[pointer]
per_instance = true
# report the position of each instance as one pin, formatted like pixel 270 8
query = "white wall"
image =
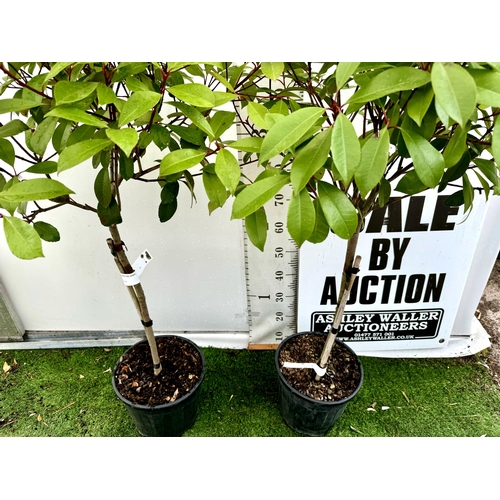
pixel 194 283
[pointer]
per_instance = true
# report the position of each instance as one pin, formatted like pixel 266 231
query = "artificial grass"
pixel 68 392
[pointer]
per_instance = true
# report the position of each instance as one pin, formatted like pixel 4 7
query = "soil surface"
pixel 181 369
pixel 489 317
pixel 342 373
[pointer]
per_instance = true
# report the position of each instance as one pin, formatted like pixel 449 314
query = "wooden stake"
pixel 332 335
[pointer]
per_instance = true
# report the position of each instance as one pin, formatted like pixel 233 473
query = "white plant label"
pixel 319 371
pixel 140 263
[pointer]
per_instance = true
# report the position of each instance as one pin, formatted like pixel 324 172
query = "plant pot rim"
pixel 165 405
pixel 300 394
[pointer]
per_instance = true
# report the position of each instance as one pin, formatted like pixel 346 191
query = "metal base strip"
pixel 79 339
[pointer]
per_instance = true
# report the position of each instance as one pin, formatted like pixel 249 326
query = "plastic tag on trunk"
pixel 140 263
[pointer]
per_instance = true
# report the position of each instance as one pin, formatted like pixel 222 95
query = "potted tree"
pixel 56 116
pixel 346 136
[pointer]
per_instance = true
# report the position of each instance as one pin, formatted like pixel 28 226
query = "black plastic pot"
pixel 170 419
pixel 304 414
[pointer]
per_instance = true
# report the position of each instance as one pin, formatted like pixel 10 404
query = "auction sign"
pixel 416 254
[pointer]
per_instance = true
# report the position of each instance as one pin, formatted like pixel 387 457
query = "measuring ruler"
pixel 271 275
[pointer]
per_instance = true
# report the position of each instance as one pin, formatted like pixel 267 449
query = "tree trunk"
pixel 349 272
pixel 136 292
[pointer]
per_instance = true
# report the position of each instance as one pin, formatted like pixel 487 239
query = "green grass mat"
pixel 68 392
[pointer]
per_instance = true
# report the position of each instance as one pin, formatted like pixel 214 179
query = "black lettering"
pixel 415 288
pixel 399 251
pixel 354 293
pixel 393 219
pixel 378 256
pixel 441 214
pixel 387 287
pixel 414 216
pixel 399 289
pixel 329 291
pixel 434 288
pixel 364 297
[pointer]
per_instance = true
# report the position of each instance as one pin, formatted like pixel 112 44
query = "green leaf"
pixel 126 69
pixel 169 192
pixel 126 166
pixel 227 169
pixel 77 153
pixel 69 92
pixel 455 148
pixel 16 105
pixel 256 228
pixel 79 134
pixel 76 115
pixel 105 95
pixel 429 163
pixel 321 228
pixel 495 140
pixel 56 69
pixel 488 169
pixel 180 160
pixel 47 231
pixel 384 192
pixel 484 184
pixel 22 239
pixel 254 196
pixel 390 81
pixel 247 144
pixel 280 107
pixel 344 71
pixel 272 119
pixel 12 128
pixel 125 138
pixel 455 90
pixel 7 152
pixel 102 187
pixel 161 136
pixel 136 105
pixel 195 94
pixel 373 162
pixel 301 217
pixel 288 131
pixel 196 117
pixel 135 85
pixel 419 103
pixel 221 121
pixel 339 212
pixel 61 135
pixel 488 87
pixel 43 134
pixel 456 199
pixel 214 188
pixel 222 80
pixel 257 113
pixel 44 167
pixel 109 215
pixel 346 151
pixel 189 134
pixel 223 97
pixel 34 189
pixel 310 159
pixel 272 70
pixel 11 207
pixel 167 210
pixel 468 193
pixel 410 184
